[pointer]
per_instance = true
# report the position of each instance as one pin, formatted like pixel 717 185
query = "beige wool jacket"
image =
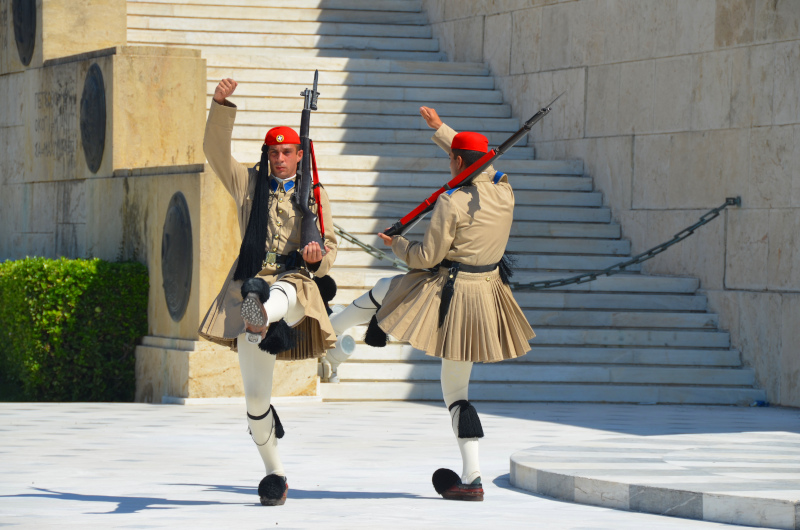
pixel 223 322
pixel 470 226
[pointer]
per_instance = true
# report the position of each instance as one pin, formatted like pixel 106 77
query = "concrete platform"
pixel 350 465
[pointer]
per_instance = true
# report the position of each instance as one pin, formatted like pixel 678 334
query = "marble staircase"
pixel 630 338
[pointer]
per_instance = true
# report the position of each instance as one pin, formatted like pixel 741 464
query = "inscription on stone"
pixel 24 13
pixel 93 118
pixel 176 256
pixel 54 125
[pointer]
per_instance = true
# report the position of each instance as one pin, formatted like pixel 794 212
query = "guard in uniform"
pixel 455 302
pixel 270 306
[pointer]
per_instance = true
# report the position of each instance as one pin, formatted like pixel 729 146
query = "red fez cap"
pixel 471 141
pixel 281 135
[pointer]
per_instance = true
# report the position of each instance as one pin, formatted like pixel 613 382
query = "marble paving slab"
pixel 740 474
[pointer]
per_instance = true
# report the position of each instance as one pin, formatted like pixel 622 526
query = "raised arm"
pixel 217 142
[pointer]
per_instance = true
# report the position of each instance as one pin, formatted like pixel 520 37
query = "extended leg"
pixel 257 368
pixel 359 312
pixel 467 428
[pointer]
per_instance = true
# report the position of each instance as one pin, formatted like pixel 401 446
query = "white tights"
pixel 257 367
pixel 455 387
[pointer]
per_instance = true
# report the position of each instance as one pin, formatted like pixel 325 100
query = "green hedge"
pixel 70 327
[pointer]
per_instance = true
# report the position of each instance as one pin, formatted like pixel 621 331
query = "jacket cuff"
pixel 222 115
pixel 400 247
pixel 443 137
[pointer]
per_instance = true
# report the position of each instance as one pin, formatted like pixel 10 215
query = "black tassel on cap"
pixel 252 251
pixel 469 424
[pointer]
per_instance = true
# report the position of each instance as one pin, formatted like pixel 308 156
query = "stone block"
pixel 556 485
pixel 664 501
pixel 630 27
pixel 725 304
pixel 672 100
pixel 772 167
pixel 602 100
pixel 497 43
pixel 525 41
pixel 784 249
pixel 711 105
pixel 760 321
pixel 555 37
pixel 790 350
pixel 597 492
pixel 12 91
pixel 70 202
pixel 735 21
pixel 685 27
pixel 70 240
pixel 787 83
pixel 214 372
pixel 468 40
pixel 62 28
pixel 761 83
pixel 747 249
pixel 796 172
pixel 777 20
pixel 295 378
pixel 636 94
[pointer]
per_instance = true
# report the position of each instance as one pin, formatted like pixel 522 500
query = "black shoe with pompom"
pixel 272 490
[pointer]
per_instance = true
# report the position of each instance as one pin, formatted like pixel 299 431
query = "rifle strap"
pixel 315 187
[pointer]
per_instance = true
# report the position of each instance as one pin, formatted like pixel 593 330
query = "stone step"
pixel 286 43
pixel 413 6
pixel 434 164
pixel 521 212
pixel 342 64
pixel 264 53
pixel 519 228
pixel 274 27
pixel 391 93
pixel 520 182
pixel 602 318
pixel 544 245
pixel 555 262
pixel 349 79
pixel 496 129
pixel 249 151
pixel 381 133
pixel 546 392
pixel 261 12
pixel 550 373
pixel 247 104
pixel 572 301
pixel 360 277
pixel 682 338
pixel 386 194
pixel 400 352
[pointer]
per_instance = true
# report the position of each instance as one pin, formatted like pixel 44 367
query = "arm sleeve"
pixel 443 137
pixel 324 266
pixel 217 148
pixel 437 240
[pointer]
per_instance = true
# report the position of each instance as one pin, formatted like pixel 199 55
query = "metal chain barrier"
pixel 580 278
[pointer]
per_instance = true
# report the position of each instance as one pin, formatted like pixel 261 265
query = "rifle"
pixel 308 179
pixel 465 177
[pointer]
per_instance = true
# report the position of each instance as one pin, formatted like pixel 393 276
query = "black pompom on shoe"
pixel 444 479
pixel 375 336
pixel 280 337
pixel 258 286
pixel 449 485
pixel 272 490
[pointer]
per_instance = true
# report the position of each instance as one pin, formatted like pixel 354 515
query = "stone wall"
pixel 673 105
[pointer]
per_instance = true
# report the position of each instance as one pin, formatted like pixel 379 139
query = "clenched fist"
pixel 224 89
pixel 431 117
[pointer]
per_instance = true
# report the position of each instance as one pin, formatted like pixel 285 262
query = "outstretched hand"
pixel 431 117
pixel 224 89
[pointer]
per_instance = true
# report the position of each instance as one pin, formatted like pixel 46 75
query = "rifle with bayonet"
pixel 465 177
pixel 308 179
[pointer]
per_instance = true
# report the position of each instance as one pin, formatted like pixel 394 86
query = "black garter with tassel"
pixel 375 336
pixel 469 424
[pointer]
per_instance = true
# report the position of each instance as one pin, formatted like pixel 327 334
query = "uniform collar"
pixel 284 185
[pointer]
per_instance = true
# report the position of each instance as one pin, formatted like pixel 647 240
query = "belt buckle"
pixel 270 259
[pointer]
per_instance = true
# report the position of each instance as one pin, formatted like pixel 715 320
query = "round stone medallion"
pixel 24 15
pixel 176 256
pixel 93 118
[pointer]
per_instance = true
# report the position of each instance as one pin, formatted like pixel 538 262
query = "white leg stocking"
pixel 282 304
pixel 357 313
pixel 257 367
pixel 455 387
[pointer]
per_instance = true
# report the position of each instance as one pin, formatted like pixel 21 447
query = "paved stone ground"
pixel 350 465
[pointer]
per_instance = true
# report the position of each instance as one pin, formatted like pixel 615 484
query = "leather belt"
pixel 290 261
pixel 467 268
pixel 449 285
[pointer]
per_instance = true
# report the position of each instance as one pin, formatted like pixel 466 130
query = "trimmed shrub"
pixel 69 327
